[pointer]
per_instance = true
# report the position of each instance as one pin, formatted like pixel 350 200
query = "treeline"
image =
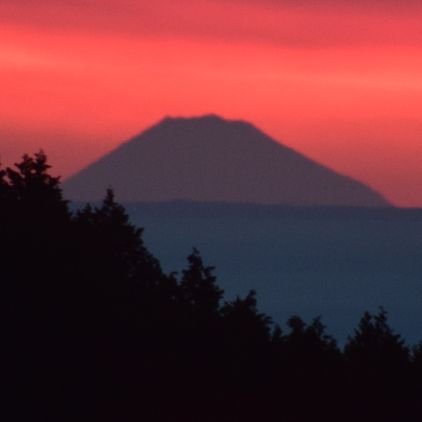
pixel 94 329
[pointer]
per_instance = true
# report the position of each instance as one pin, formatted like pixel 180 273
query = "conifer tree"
pixel 199 289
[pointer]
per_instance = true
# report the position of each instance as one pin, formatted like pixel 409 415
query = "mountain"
pixel 210 159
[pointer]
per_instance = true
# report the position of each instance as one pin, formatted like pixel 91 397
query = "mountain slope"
pixel 212 159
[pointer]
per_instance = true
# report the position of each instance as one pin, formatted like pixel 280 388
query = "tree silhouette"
pixel 198 288
pixel 35 191
pixel 95 328
pixel 378 362
pixel 4 187
pixel 245 324
pixel 375 346
pixel 112 236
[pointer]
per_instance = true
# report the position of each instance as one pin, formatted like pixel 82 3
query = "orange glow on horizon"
pixel 338 84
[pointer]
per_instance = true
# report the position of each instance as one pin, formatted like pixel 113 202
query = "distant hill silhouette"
pixel 211 159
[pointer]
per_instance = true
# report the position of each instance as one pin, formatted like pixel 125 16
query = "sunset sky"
pixel 338 80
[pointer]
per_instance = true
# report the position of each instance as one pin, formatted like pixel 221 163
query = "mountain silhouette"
pixel 210 159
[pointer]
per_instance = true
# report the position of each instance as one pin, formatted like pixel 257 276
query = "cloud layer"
pixel 287 23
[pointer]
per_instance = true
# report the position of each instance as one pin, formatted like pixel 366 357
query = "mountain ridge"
pixel 211 159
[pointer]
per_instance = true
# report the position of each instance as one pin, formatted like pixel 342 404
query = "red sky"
pixel 341 83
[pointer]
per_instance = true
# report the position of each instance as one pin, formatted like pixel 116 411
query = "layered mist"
pixel 329 262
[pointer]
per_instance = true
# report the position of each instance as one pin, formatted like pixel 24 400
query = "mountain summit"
pixel 208 159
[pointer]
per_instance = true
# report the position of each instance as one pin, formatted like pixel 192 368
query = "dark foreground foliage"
pixel 93 329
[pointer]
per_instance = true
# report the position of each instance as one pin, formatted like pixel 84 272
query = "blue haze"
pixel 329 262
